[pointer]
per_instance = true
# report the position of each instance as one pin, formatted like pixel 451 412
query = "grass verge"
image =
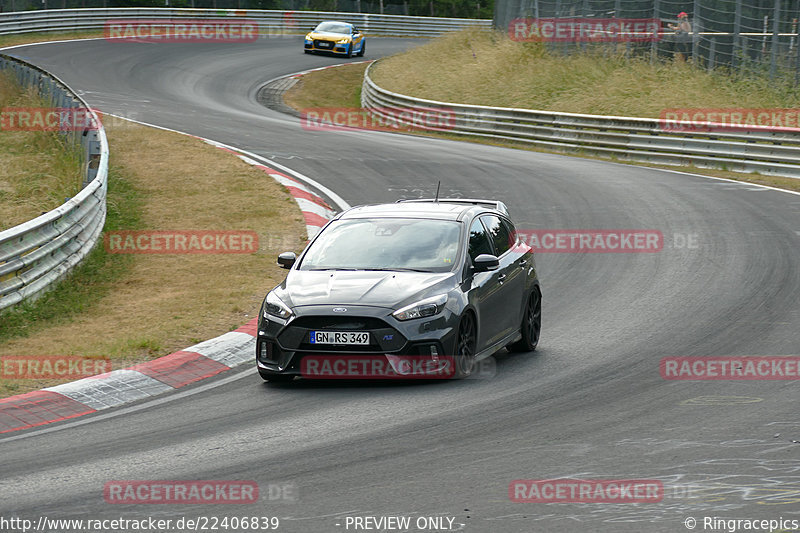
pixel 486 68
pixel 332 87
pixel 38 169
pixel 133 308
pixel 341 87
pixel 27 38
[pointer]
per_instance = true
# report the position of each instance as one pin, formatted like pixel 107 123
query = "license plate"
pixel 339 337
pixel 324 45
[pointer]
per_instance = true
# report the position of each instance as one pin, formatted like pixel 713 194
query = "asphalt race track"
pixel 589 403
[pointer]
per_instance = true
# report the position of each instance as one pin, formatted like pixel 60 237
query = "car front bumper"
pixel 333 49
pixel 285 348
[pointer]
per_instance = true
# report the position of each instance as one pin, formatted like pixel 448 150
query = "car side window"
pixel 498 233
pixel 512 232
pixel 478 240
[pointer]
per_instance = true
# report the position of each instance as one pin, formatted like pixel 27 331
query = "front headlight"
pixel 421 309
pixel 274 306
pixel 343 41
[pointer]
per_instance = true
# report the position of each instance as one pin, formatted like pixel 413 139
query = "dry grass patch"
pixel 27 38
pixel 163 303
pixel 332 87
pixel 38 169
pixel 490 69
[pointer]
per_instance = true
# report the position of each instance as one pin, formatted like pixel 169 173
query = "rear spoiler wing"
pixel 492 204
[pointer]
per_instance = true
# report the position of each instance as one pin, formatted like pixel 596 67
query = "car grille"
pixel 327 45
pixel 383 337
pixel 339 322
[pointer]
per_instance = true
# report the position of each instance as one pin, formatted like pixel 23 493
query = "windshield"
pixel 333 27
pixel 385 244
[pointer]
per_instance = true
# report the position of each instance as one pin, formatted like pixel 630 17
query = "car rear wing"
pixel 492 204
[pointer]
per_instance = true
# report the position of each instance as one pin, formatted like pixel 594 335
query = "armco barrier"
pixel 269 21
pixel 634 139
pixel 38 252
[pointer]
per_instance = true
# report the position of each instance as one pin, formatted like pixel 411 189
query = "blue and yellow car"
pixel 336 38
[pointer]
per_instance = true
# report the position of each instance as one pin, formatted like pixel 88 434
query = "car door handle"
pixel 501 278
pixel 523 262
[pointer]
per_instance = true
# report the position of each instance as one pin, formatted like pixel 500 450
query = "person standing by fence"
pixel 683 36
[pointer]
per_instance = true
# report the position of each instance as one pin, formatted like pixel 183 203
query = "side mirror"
pixel 287 259
pixel 486 263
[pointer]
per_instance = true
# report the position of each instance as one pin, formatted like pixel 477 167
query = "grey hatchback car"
pixel 443 280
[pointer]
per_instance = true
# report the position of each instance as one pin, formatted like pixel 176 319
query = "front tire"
pixel 531 324
pixel 466 343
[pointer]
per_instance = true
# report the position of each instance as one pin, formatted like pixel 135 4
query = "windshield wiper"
pixel 378 269
pixel 398 269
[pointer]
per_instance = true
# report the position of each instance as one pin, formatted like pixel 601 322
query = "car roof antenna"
pixel 437 191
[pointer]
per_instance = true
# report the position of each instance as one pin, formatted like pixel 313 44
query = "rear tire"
pixel 466 343
pixel 363 49
pixel 531 327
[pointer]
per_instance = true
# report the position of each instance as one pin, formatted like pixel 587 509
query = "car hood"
pixel 361 287
pixel 328 36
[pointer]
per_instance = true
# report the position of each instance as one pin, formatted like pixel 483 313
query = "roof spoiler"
pixel 492 204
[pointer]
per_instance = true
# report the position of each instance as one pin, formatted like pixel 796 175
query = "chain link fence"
pixel 757 35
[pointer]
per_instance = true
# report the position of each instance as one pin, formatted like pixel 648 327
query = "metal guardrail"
pixel 38 252
pixel 635 139
pixel 269 21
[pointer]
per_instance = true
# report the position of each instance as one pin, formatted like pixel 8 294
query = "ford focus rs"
pixel 335 38
pixel 444 280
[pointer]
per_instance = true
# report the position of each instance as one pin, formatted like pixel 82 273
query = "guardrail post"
pixel 656 37
pixel 93 154
pixel 773 59
pixel 695 29
pixel 737 28
pixel 797 60
pixel 712 54
pixel 745 52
